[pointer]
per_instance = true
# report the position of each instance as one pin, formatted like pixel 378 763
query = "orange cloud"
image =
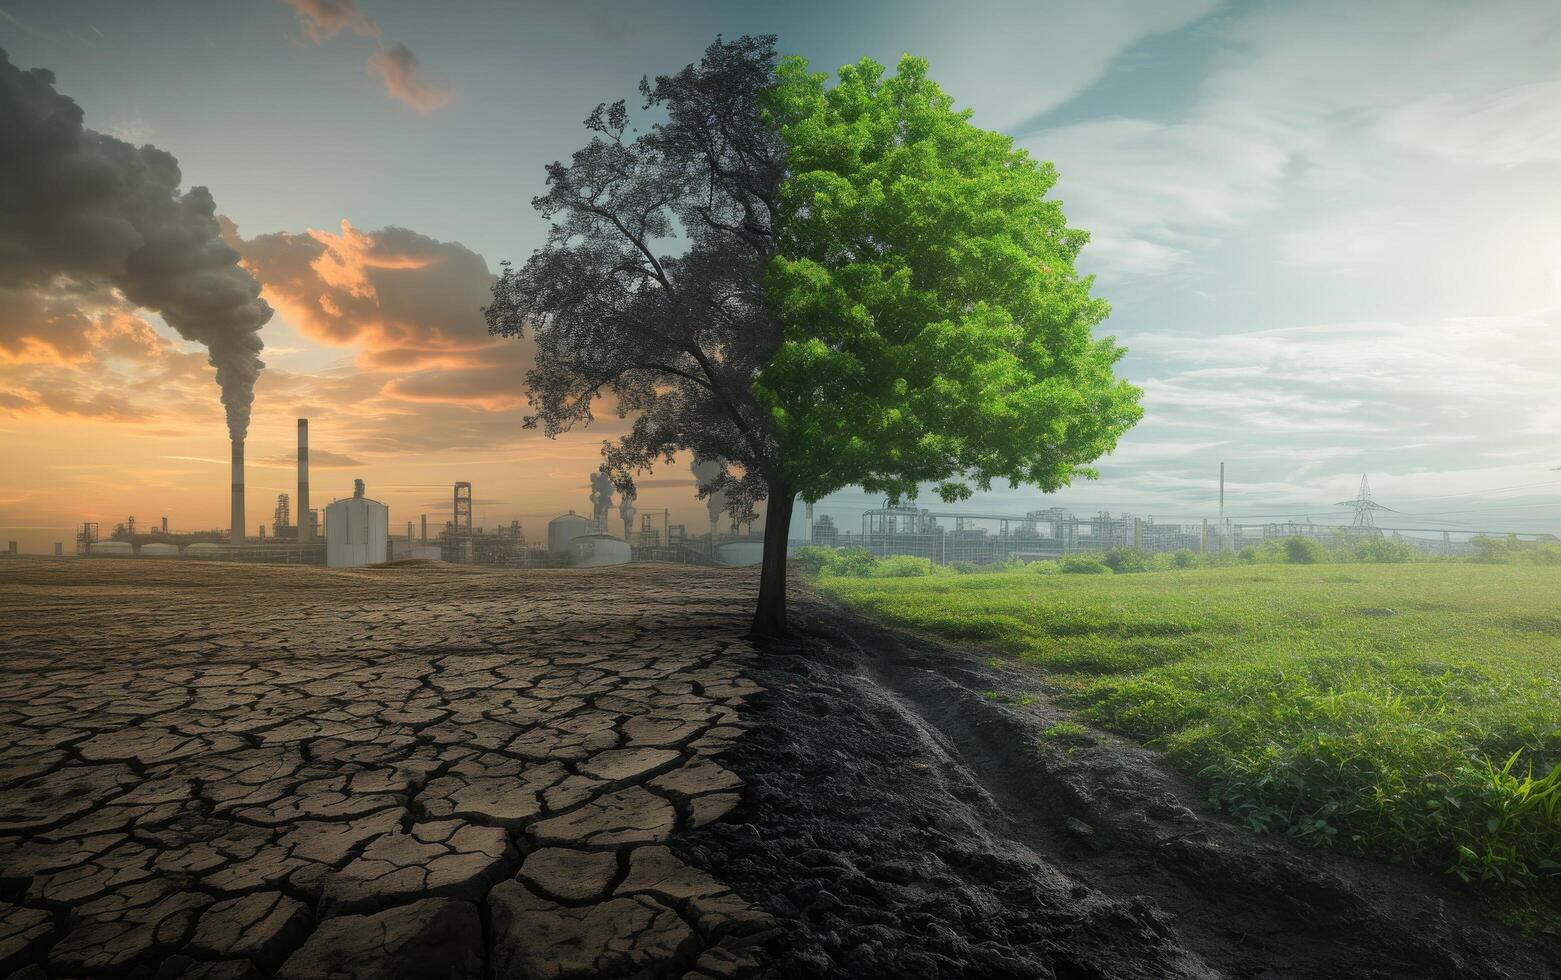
pixel 404 79
pixel 322 19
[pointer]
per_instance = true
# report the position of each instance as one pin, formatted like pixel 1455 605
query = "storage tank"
pixel 591 550
pixel 564 529
pixel 739 553
pixel 357 531
pixel 159 550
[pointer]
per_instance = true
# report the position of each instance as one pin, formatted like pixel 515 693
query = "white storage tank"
pixel 563 530
pixel 159 550
pixel 357 531
pixel 590 550
pixel 739 553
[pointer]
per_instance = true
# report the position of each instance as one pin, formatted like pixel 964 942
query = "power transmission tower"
pixel 1365 509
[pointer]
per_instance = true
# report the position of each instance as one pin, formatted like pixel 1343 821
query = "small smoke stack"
pixel 305 524
pixel 236 526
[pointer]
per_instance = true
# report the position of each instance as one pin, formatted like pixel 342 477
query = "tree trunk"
pixel 769 618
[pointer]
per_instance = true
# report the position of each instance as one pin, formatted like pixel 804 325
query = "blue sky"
pixel 1330 232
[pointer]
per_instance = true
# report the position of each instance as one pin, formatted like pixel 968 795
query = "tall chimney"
pixel 305 524
pixel 236 526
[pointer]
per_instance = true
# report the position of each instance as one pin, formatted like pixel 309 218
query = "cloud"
pixel 1310 110
pixel 324 459
pixel 426 374
pixel 394 64
pixel 407 300
pixel 1301 411
pixel 94 227
pixel 405 79
pixel 322 19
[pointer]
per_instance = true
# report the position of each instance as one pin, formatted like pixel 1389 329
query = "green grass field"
pixel 1370 708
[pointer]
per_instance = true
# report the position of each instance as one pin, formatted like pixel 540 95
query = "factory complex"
pixel 357 531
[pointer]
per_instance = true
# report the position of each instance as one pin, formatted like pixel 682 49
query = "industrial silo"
pixel 357 531
pixel 561 531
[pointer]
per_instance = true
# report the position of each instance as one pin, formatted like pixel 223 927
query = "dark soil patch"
pixel 901 824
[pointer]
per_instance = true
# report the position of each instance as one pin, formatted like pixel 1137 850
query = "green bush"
pixel 1387 551
pixel 903 566
pixel 1304 551
pixel 1125 560
pixel 1511 551
pixel 851 563
pixel 813 559
pixel 1184 558
pixel 1044 568
pixel 1083 564
pixel 964 567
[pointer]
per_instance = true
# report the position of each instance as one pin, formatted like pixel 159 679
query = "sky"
pixel 1330 234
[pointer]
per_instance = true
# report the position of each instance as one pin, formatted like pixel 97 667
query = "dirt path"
pixel 900 824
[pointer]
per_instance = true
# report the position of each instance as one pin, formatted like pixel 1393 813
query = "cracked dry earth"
pixel 229 771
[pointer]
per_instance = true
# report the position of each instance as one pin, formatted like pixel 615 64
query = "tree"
pixel 872 291
pixel 677 339
pixel 935 330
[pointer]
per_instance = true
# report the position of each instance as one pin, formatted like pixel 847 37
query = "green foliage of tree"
pixel 934 327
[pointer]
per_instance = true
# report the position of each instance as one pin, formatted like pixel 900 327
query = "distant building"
pixel 825 534
pixel 357 531
pixel 562 530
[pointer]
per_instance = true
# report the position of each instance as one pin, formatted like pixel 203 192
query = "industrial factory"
pixel 357 531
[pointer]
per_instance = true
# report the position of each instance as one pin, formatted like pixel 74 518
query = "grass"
pixel 1406 712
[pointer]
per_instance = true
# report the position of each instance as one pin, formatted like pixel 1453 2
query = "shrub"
pixel 851 563
pixel 812 559
pixel 1387 551
pixel 964 567
pixel 1511 551
pixel 1125 560
pixel 1044 568
pixel 903 566
pixel 1083 565
pixel 1304 551
pixel 1184 558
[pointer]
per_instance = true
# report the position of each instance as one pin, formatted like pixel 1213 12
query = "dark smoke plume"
pixel 81 212
pixel 706 471
pixel 601 496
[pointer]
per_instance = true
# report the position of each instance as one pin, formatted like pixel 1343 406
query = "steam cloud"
pixel 83 214
pixel 601 495
pixel 705 471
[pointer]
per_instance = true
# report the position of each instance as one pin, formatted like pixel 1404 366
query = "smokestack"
pixel 236 525
pixel 305 525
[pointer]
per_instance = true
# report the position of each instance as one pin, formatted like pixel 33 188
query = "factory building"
pixel 357 531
